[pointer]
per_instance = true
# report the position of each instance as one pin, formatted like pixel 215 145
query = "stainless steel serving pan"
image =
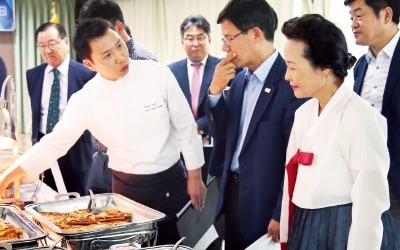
pixel 31 233
pixel 135 246
pixel 8 246
pixel 161 247
pixel 142 225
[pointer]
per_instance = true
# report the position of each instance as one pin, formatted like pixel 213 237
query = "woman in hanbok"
pixel 337 149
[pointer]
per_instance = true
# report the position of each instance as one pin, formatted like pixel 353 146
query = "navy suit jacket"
pixel 179 69
pixel 262 159
pixel 78 159
pixel 390 109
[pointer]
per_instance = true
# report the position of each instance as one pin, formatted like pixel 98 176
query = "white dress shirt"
pixel 46 90
pixel 190 70
pixel 350 164
pixel 377 73
pixel 143 118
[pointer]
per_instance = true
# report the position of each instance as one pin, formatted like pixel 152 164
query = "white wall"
pixel 155 23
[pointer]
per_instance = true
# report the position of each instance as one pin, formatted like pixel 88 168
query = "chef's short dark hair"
pixel 87 31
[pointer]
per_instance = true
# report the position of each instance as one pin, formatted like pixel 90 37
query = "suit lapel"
pixel 71 79
pixel 183 80
pixel 263 100
pixel 39 80
pixel 235 100
pixel 207 78
pixel 360 75
pixel 38 87
pixel 393 78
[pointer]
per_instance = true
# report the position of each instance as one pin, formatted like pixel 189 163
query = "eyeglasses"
pixel 51 45
pixel 228 40
pixel 191 40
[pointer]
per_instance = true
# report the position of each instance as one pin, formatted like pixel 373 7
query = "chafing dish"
pixel 31 233
pixel 142 227
pixel 7 246
pixel 161 247
pixel 46 248
pixel 135 246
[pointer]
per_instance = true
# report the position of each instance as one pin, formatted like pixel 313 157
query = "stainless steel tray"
pixel 143 222
pixel 161 247
pixel 8 246
pixel 31 233
pixel 135 246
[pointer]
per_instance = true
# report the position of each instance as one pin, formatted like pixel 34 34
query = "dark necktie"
pixel 195 88
pixel 54 102
pixel 291 169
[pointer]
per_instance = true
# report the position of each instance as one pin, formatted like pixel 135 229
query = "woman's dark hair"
pixel 87 31
pixel 325 44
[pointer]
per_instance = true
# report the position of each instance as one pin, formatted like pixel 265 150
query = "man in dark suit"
pixel 53 43
pixel 255 117
pixel 376 74
pixel 195 38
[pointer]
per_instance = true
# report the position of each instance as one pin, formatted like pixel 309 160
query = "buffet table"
pixel 143 225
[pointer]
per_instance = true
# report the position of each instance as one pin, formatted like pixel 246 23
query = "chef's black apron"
pixel 165 192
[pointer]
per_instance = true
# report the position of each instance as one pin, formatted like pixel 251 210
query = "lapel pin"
pixel 267 90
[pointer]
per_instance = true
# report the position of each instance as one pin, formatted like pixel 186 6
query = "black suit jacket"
pixel 390 109
pixel 75 165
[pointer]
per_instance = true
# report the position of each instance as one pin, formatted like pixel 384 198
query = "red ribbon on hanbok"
pixel 292 167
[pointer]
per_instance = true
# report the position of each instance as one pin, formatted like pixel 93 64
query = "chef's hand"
pixel 273 230
pixel 224 72
pixel 196 189
pixel 9 175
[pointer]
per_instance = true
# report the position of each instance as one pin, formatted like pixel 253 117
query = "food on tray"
pixel 81 217
pixel 82 220
pixel 9 232
pixel 110 214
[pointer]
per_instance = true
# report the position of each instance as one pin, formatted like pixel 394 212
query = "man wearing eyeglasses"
pixel 54 46
pixel 255 117
pixel 195 38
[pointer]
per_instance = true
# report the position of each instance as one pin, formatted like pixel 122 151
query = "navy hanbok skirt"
pixel 328 229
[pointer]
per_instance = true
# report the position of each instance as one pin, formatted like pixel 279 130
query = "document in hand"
pixel 264 243
pixel 193 224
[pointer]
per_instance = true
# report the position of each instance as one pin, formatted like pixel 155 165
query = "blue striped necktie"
pixel 54 102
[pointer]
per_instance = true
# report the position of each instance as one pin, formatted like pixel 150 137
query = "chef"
pixel 137 109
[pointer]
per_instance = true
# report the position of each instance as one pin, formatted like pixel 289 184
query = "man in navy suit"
pixel 376 74
pixel 195 38
pixel 53 43
pixel 255 117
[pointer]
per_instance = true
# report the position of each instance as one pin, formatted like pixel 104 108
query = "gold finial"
pixel 54 17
